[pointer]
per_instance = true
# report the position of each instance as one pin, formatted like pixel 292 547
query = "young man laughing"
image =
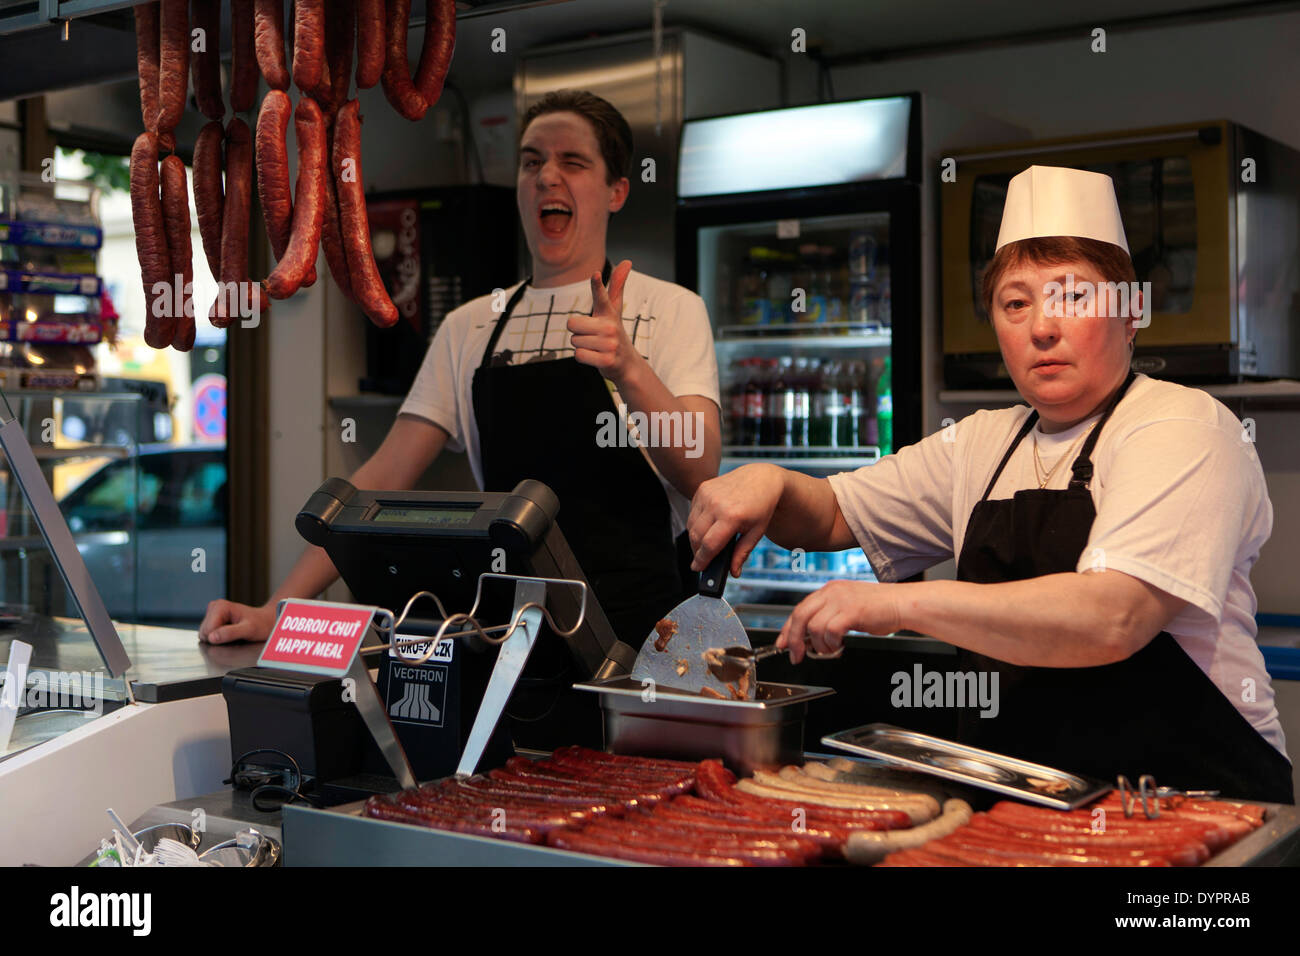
pixel 525 382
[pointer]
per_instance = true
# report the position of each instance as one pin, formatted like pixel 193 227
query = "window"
pixel 202 496
pixel 107 504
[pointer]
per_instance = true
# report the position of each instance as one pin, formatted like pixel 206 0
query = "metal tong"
pixel 1151 795
pixel 728 664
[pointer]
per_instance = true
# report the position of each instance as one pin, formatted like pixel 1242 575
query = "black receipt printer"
pixel 388 547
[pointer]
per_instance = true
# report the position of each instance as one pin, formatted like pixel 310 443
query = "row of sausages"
pixel 326 205
pixel 1013 834
pixel 638 809
pixel 676 813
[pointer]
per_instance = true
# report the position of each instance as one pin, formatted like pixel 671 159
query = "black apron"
pixel 1155 712
pixel 539 420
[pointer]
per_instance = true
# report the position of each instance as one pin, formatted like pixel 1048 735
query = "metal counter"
pixel 167 663
pixel 340 836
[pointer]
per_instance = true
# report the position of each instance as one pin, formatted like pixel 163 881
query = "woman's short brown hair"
pixel 1110 260
pixel 612 131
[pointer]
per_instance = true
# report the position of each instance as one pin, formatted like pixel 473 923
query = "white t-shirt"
pixel 1180 498
pixel 667 324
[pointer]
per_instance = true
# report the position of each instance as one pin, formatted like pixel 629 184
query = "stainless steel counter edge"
pixel 340 836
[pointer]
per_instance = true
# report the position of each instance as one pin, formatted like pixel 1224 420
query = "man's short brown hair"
pixel 612 131
pixel 1110 261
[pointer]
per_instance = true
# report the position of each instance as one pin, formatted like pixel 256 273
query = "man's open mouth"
pixel 555 217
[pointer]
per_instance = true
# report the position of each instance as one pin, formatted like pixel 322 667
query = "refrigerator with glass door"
pixel 800 229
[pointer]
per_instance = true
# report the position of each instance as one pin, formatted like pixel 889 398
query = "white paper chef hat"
pixel 1057 201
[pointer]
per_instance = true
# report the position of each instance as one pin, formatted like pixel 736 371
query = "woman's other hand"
pixel 823 618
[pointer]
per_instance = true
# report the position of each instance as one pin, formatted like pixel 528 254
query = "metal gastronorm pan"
pixel 747 734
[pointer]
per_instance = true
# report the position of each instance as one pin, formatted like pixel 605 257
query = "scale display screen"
pixel 426 517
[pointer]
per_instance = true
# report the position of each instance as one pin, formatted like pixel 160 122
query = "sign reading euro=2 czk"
pixel 417 693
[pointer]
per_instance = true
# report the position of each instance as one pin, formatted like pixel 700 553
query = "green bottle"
pixel 885 410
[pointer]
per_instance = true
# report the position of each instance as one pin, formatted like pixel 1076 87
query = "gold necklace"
pixel 1043 479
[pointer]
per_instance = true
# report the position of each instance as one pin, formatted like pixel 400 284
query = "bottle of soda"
pixel 854 419
pixel 780 407
pixel 755 402
pixel 800 420
pixel 818 415
pixel 733 423
pixel 831 396
pixel 869 372
pixel 885 409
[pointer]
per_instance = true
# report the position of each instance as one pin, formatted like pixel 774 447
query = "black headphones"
pixel 264 780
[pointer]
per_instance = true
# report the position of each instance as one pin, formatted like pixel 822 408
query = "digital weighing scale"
pixel 390 545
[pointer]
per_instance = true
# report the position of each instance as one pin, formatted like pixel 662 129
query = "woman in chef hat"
pixel 1104 535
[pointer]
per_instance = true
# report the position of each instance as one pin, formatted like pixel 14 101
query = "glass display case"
pixel 799 229
pixel 71 669
pixel 100 489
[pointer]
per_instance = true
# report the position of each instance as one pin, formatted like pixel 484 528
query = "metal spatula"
pixel 673 653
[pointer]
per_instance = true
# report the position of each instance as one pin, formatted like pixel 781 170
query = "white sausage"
pixel 917 810
pixel 871 846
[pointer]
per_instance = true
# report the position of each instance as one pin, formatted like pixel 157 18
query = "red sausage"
pixel 601 757
pixel 173 62
pixel 660 786
pixel 490 789
pixel 209 194
pixel 367 286
pixel 985 853
pixel 176 224
pixel 399 89
pixel 649 830
pixel 595 790
pixel 666 852
pixel 340 42
pixel 205 66
pixel 299 256
pixel 332 233
pixel 273 169
pixel 383 810
pixel 147 52
pixel 370 42
pixel 268 39
pixel 436 51
pixel 234 227
pixel 578 766
pixel 308 43
pixel 243 56
pixel 476 812
pixel 151 242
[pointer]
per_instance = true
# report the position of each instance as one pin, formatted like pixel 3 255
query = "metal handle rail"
pixel 467 624
pixel 516 644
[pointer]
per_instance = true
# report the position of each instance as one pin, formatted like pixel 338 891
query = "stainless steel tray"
pixel 1021 779
pixel 340 836
pixel 747 734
